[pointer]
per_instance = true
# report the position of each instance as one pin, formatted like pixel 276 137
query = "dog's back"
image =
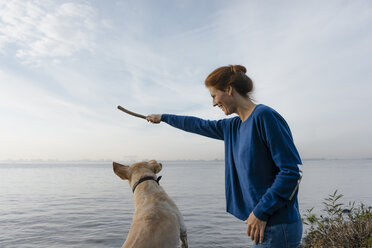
pixel 157 222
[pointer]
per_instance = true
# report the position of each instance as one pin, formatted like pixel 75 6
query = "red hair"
pixel 232 75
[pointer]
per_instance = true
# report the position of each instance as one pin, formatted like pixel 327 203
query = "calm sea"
pixel 87 205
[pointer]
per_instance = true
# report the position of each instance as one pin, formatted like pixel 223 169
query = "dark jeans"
pixel 282 236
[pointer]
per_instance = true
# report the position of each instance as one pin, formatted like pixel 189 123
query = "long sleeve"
pixel 208 128
pixel 278 139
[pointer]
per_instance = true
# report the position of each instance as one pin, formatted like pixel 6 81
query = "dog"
pixel 157 222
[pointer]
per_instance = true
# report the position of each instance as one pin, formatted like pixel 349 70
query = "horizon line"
pixel 136 160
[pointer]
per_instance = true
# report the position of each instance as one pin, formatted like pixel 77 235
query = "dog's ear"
pixel 155 166
pixel 121 170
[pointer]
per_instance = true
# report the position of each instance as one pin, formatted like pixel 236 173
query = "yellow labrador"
pixel 157 222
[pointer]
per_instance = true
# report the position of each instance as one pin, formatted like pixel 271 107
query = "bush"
pixel 340 227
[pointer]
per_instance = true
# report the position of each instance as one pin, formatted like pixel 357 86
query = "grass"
pixel 340 226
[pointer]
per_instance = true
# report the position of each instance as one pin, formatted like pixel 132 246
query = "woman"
pixel 261 160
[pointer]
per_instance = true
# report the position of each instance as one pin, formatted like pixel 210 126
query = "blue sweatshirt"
pixel 261 163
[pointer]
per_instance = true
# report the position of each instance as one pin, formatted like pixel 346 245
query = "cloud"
pixel 309 60
pixel 46 29
pixel 39 123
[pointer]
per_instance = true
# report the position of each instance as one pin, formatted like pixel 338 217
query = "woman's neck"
pixel 244 107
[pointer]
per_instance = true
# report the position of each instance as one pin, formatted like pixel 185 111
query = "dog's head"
pixel 136 171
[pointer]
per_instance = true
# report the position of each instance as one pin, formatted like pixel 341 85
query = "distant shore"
pixel 55 161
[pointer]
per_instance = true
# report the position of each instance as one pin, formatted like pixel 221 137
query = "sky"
pixel 66 65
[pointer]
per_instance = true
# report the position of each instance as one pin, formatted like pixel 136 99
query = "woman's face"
pixel 222 99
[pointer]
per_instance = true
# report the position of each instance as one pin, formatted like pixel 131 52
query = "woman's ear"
pixel 121 170
pixel 229 90
pixel 155 166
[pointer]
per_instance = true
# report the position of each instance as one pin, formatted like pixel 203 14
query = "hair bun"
pixel 240 68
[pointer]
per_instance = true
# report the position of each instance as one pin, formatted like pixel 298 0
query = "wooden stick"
pixel 131 113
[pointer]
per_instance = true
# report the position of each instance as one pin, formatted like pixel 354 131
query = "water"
pixel 87 205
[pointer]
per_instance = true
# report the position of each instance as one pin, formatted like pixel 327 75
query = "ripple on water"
pixel 65 206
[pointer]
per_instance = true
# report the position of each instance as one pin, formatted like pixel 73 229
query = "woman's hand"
pixel 256 228
pixel 154 118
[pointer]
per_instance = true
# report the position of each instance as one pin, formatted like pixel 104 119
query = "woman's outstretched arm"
pixel 212 129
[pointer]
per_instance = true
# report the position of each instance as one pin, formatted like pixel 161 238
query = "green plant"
pixel 340 226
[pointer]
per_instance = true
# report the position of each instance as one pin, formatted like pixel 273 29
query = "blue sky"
pixel 66 65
